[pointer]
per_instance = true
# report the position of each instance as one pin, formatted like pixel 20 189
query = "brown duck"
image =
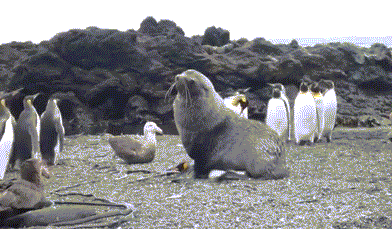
pixel 135 148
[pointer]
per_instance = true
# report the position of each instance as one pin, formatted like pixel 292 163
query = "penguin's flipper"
pixel 33 131
pixel 61 132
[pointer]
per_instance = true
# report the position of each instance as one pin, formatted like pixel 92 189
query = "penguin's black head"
pixel 28 100
pixel 276 93
pixel 315 87
pixel 303 87
pixel 278 86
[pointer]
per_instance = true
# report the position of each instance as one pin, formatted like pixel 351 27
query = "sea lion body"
pixel 305 116
pixel 52 132
pixel 217 138
pixel 278 114
pixel 330 109
pixel 26 144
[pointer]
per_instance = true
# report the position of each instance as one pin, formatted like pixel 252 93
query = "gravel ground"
pixel 343 184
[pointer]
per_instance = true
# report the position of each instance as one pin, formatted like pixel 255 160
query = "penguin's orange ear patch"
pixel 317 95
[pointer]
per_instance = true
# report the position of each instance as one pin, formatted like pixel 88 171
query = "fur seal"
pixel 238 103
pixel 215 137
pixel 26 144
pixel 135 148
pixel 282 90
pixel 277 113
pixel 330 108
pixel 27 193
pixel 52 132
pixel 319 101
pixel 305 115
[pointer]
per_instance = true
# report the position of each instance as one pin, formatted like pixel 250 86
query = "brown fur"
pixel 216 138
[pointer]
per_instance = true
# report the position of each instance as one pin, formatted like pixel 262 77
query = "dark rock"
pixel 368 121
pixel 262 46
pixel 348 121
pixel 215 36
pixel 135 106
pixel 164 27
pixel 111 78
pixel 294 44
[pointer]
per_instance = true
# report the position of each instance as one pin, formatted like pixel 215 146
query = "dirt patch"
pixel 343 184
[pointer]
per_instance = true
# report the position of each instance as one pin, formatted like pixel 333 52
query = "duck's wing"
pixel 126 143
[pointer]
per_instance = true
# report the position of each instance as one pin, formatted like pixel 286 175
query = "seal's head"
pixel 197 104
pixel 193 84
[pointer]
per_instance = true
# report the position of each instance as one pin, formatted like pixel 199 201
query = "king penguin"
pixel 238 103
pixel 319 100
pixel 7 128
pixel 26 144
pixel 330 108
pixel 282 89
pixel 305 115
pixel 52 132
pixel 6 136
pixel 277 113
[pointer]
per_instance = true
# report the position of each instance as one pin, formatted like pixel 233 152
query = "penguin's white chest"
pixel 305 117
pixel 319 101
pixel 6 146
pixel 277 117
pixel 330 109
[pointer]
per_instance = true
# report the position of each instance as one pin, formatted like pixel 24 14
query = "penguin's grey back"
pixel 27 122
pixel 52 132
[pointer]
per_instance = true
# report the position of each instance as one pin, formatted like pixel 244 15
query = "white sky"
pixel 38 20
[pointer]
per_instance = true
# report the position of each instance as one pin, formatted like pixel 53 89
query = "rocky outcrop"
pixel 215 36
pixel 112 81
